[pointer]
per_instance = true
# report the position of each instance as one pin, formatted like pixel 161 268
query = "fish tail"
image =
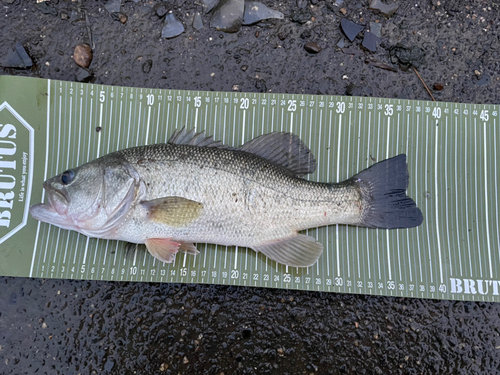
pixel 384 200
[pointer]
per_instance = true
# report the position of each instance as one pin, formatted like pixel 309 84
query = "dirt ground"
pixel 71 327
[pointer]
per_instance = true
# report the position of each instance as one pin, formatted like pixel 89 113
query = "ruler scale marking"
pixel 496 188
pixel 402 255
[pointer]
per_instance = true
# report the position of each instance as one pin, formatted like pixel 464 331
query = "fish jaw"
pixel 47 213
pixel 55 211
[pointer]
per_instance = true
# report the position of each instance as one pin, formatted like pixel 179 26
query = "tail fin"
pixel 383 187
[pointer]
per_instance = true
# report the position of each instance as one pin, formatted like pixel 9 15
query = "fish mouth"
pixel 42 211
pixel 54 211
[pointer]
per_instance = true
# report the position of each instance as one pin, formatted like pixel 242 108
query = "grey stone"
pixel 173 27
pixel 228 16
pixel 113 6
pixel 312 47
pixel 376 29
pixel 370 41
pixel 208 5
pixel 386 9
pixel 350 29
pixel 256 11
pixel 198 22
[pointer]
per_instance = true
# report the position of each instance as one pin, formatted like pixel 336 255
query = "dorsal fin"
pixel 184 137
pixel 285 149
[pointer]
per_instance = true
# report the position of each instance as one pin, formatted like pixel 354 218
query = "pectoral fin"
pixel 173 211
pixel 297 251
pixel 164 249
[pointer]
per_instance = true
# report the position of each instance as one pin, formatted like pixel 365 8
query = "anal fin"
pixel 297 251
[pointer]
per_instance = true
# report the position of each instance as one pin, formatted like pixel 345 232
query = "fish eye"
pixel 67 177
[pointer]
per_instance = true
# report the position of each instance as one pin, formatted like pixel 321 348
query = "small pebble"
pixel 161 10
pixel 228 16
pixel 350 29
pixel 146 67
pixel 438 86
pixel 122 17
pixel 163 367
pixel 83 75
pixel 376 29
pixel 312 47
pixel 198 22
pixel 370 41
pixel 386 9
pixel 208 5
pixel 482 80
pixel 83 55
pixel 301 3
pixel 255 12
pixel 113 6
pixel 282 35
pixel 247 332
pixel 172 28
pixel 119 17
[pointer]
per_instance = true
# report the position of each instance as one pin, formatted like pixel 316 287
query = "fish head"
pixel 91 199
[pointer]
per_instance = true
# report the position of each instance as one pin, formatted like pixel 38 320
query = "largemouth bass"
pixel 196 190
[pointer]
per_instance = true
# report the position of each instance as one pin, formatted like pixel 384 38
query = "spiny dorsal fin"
pixel 184 137
pixel 175 212
pixel 284 149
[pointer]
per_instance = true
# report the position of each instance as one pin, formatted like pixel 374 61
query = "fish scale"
pixel 223 181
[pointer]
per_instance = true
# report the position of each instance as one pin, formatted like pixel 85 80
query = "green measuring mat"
pixel 48 126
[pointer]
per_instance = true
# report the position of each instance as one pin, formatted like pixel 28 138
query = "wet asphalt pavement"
pixel 71 327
